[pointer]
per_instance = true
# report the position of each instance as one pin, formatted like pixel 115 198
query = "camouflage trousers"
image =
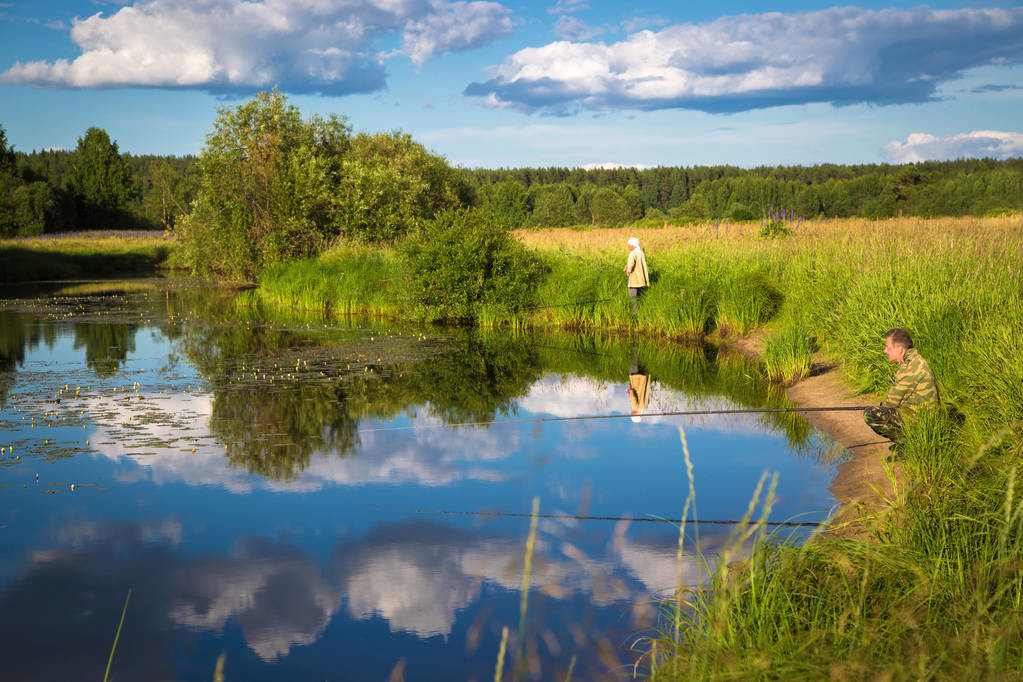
pixel 885 421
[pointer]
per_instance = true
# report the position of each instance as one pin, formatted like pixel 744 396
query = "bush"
pixel 775 228
pixel 741 212
pixel 462 263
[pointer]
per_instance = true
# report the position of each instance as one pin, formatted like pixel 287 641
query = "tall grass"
pixel 935 594
pixel 77 256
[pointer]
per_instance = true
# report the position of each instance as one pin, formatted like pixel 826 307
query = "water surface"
pixel 297 495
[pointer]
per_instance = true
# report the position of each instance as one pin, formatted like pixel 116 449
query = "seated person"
pixel 913 387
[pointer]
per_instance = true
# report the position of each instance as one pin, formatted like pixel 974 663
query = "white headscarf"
pixel 633 242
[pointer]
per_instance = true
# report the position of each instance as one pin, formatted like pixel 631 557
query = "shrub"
pixel 462 263
pixel 774 228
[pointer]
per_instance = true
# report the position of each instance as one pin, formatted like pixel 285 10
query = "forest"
pixel 97 186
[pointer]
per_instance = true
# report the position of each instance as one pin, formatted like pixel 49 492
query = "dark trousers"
pixel 885 421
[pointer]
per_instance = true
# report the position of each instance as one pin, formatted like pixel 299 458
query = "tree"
pixel 24 206
pixel 266 188
pixel 390 185
pixel 552 206
pixel 509 202
pixel 101 182
pixel 608 208
pixel 7 156
pixel 274 188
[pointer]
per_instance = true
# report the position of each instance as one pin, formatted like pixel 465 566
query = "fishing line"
pixel 691 413
pixel 613 518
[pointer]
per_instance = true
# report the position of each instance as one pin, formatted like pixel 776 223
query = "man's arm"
pixel 905 383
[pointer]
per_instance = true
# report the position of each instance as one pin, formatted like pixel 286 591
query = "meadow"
pixel 75 255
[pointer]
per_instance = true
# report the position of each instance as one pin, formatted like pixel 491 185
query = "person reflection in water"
pixel 639 390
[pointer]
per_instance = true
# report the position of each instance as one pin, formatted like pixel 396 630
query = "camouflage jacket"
pixel 914 384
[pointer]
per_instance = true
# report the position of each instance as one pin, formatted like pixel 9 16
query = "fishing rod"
pixel 646 519
pixel 688 413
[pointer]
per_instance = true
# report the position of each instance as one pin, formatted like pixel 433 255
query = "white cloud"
pixel 571 28
pixel 228 45
pixel 994 144
pixel 611 165
pixel 636 23
pixel 568 6
pixel 841 55
pixel 456 26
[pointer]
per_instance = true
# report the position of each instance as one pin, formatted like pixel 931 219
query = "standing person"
pixel 912 387
pixel 639 391
pixel 635 270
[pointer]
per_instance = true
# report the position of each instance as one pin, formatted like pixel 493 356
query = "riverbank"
pixel 77 255
pixel 929 588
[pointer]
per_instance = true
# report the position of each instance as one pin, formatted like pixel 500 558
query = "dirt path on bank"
pixel 863 484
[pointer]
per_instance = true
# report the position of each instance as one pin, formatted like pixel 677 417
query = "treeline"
pixel 96 186
pixel 558 197
pixel 93 187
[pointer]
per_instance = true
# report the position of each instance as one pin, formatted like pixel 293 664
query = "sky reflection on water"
pixel 284 524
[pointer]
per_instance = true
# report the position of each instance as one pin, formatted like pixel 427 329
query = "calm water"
pixel 249 482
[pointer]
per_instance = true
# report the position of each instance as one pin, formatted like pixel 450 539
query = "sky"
pixel 532 83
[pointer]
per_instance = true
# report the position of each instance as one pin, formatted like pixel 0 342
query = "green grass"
pixel 77 256
pixel 934 594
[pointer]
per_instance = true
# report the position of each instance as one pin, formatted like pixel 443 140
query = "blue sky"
pixel 513 83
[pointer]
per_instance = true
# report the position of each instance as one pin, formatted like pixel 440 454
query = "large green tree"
pixel 102 183
pixel 274 188
pixel 265 188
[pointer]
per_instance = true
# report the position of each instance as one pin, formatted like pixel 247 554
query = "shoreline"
pixel 865 484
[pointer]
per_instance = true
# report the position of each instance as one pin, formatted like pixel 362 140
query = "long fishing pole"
pixel 640 519
pixel 688 413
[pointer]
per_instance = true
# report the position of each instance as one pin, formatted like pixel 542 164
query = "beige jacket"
pixel 636 268
pixel 639 392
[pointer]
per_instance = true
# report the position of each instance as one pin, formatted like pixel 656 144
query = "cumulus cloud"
pixel 640 22
pixel 307 46
pixel 456 26
pixel 568 6
pixel 842 55
pixel 978 144
pixel 571 28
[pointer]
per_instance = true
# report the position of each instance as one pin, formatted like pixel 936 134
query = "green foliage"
pixel 24 205
pixel 274 188
pixel 553 206
pixel 389 186
pixel 102 183
pixel 509 204
pixel 963 187
pixel 774 228
pixel 266 188
pixel 462 263
pixel 741 212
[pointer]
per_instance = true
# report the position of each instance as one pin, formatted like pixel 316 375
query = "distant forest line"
pixel 95 186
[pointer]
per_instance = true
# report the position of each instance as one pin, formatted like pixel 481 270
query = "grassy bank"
pixel 936 589
pixel 82 254
pixel 837 286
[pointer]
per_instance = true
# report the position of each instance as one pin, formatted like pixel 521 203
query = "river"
pixel 301 497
